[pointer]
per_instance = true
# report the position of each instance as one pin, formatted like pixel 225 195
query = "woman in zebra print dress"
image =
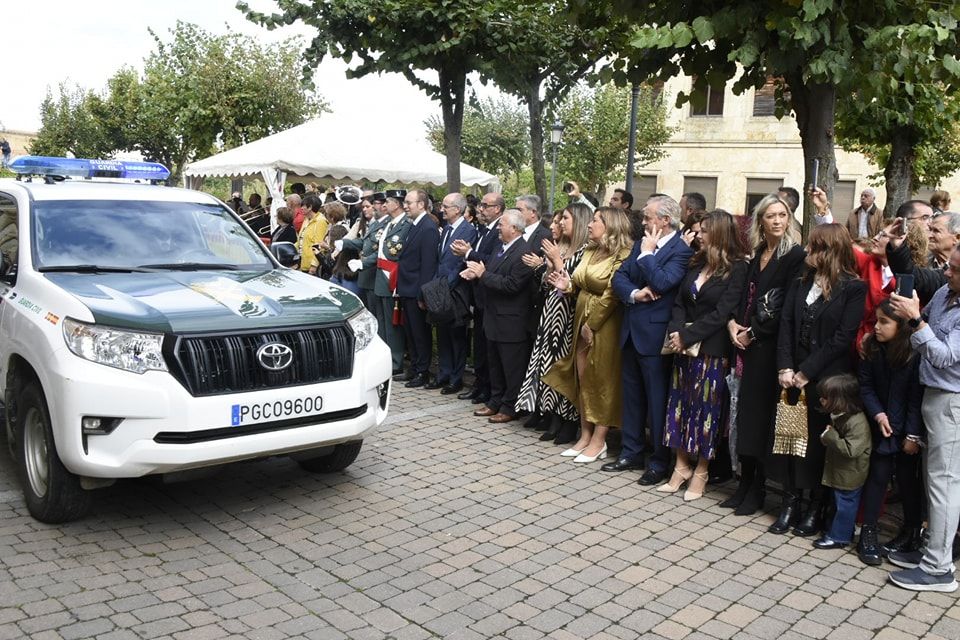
pixel 555 331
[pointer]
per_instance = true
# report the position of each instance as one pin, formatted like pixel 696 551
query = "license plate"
pixel 241 414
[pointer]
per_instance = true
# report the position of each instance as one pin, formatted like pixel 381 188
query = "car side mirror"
pixel 286 253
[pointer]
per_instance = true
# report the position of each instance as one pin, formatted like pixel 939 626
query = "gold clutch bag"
pixel 693 350
pixel 790 430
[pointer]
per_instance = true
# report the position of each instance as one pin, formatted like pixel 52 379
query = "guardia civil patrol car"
pixel 146 330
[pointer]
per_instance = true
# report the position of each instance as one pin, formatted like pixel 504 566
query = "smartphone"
pixel 904 284
pixel 816 174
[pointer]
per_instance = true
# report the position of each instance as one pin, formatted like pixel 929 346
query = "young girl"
pixel 891 393
pixel 847 443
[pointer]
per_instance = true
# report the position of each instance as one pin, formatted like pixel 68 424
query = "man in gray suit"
pixel 389 247
pixel 368 246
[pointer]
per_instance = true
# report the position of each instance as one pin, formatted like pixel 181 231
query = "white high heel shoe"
pixel 601 455
pixel 572 453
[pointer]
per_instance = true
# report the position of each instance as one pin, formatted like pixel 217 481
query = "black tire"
pixel 342 457
pixel 52 493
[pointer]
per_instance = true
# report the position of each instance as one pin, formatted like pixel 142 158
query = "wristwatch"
pixel 913 323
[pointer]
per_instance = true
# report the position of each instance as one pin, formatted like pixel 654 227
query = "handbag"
pixel 770 305
pixel 692 351
pixel 790 429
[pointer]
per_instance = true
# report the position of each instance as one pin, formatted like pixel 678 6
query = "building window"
pixel 643 187
pixel 706 102
pixel 758 189
pixel 845 199
pixel 705 186
pixel 765 99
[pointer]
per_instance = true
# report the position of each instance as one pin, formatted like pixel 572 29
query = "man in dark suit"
pixel 647 283
pixel 452 339
pixel 417 266
pixel 534 233
pixel 506 284
pixel 491 207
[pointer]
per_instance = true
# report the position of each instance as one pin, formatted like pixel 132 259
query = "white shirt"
pixel 529 229
pixel 863 216
pixel 508 245
pixel 420 217
pixel 453 229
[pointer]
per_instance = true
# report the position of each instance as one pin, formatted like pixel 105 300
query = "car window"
pixel 8 233
pixel 124 233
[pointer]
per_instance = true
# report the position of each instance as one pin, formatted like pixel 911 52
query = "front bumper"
pixel 164 429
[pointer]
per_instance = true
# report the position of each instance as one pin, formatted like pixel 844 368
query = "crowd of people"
pixel 696 334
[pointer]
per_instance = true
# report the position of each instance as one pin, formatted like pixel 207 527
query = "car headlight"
pixel 119 348
pixel 364 327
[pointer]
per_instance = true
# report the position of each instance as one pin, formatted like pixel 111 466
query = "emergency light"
pixel 86 168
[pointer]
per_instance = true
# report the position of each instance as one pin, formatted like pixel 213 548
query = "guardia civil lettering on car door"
pixel 188 343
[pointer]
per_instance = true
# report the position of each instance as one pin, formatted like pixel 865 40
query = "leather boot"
pixel 533 421
pixel 568 432
pixel 789 513
pixel 753 501
pixel 909 539
pixel 553 430
pixel 736 499
pixel 812 521
pixel 868 547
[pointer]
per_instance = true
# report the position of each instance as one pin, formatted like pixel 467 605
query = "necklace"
pixel 765 257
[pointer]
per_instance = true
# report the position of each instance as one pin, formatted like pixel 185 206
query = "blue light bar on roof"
pixel 84 168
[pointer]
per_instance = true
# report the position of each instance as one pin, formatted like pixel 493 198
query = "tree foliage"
pixel 596 134
pixel 495 136
pixel 198 93
pixel 402 36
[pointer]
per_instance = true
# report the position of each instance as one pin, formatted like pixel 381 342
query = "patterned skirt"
pixel 554 340
pixel 696 408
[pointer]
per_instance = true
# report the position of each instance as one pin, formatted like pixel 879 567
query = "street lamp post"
pixel 556 132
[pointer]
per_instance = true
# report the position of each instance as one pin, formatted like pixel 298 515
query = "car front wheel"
pixel 339 459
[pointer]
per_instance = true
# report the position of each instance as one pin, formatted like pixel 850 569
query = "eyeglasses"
pixel 449 206
pixel 484 205
pixel 925 218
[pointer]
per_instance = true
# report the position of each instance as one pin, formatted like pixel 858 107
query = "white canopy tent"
pixel 328 148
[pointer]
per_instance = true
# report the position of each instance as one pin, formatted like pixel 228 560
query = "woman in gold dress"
pixel 584 376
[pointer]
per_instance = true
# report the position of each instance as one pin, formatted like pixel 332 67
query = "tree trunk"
pixel 535 109
pixel 453 85
pixel 898 173
pixel 814 105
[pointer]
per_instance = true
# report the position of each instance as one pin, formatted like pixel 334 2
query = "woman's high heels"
pixel 572 453
pixel 677 480
pixel 696 487
pixel 602 454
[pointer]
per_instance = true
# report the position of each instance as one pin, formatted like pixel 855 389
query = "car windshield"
pixel 137 234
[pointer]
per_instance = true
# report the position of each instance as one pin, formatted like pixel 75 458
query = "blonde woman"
pixel 583 376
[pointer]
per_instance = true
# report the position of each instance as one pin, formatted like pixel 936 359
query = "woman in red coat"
pixel 874 270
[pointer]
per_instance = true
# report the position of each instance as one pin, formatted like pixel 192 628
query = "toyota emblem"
pixel 274 356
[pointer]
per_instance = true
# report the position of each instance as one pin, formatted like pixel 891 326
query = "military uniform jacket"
pixel 391 244
pixel 368 246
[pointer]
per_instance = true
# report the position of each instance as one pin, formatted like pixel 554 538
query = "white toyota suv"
pixel 146 330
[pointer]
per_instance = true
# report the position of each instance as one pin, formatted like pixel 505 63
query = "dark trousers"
pixel 390 333
pixel 369 300
pixel 846 501
pixel 481 365
pixel 452 353
pixel 645 381
pixel 508 364
pixel 909 481
pixel 419 337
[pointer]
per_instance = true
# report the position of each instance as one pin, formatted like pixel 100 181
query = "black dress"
pixel 757 365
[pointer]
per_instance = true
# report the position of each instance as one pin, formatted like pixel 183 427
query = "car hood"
pixel 203 301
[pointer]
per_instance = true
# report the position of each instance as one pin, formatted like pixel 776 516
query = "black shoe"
pixel 568 432
pixel 397 372
pixel 719 478
pixel 651 477
pixel 738 496
pixel 829 543
pixel 418 380
pixel 451 388
pixel 622 464
pixel 908 540
pixel 868 546
pixel 404 376
pixel 468 395
pixel 534 421
pixel 753 501
pixel 812 521
pixel 553 430
pixel 481 399
pixel 434 384
pixel 789 514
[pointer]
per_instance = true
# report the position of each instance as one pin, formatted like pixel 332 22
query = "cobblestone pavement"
pixel 445 526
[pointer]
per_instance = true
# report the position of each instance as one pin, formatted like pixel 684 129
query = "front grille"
pixel 212 364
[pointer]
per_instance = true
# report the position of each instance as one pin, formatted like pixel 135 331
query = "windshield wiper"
pixel 191 266
pixel 91 268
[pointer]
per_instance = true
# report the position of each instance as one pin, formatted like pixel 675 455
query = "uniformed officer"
pixel 385 281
